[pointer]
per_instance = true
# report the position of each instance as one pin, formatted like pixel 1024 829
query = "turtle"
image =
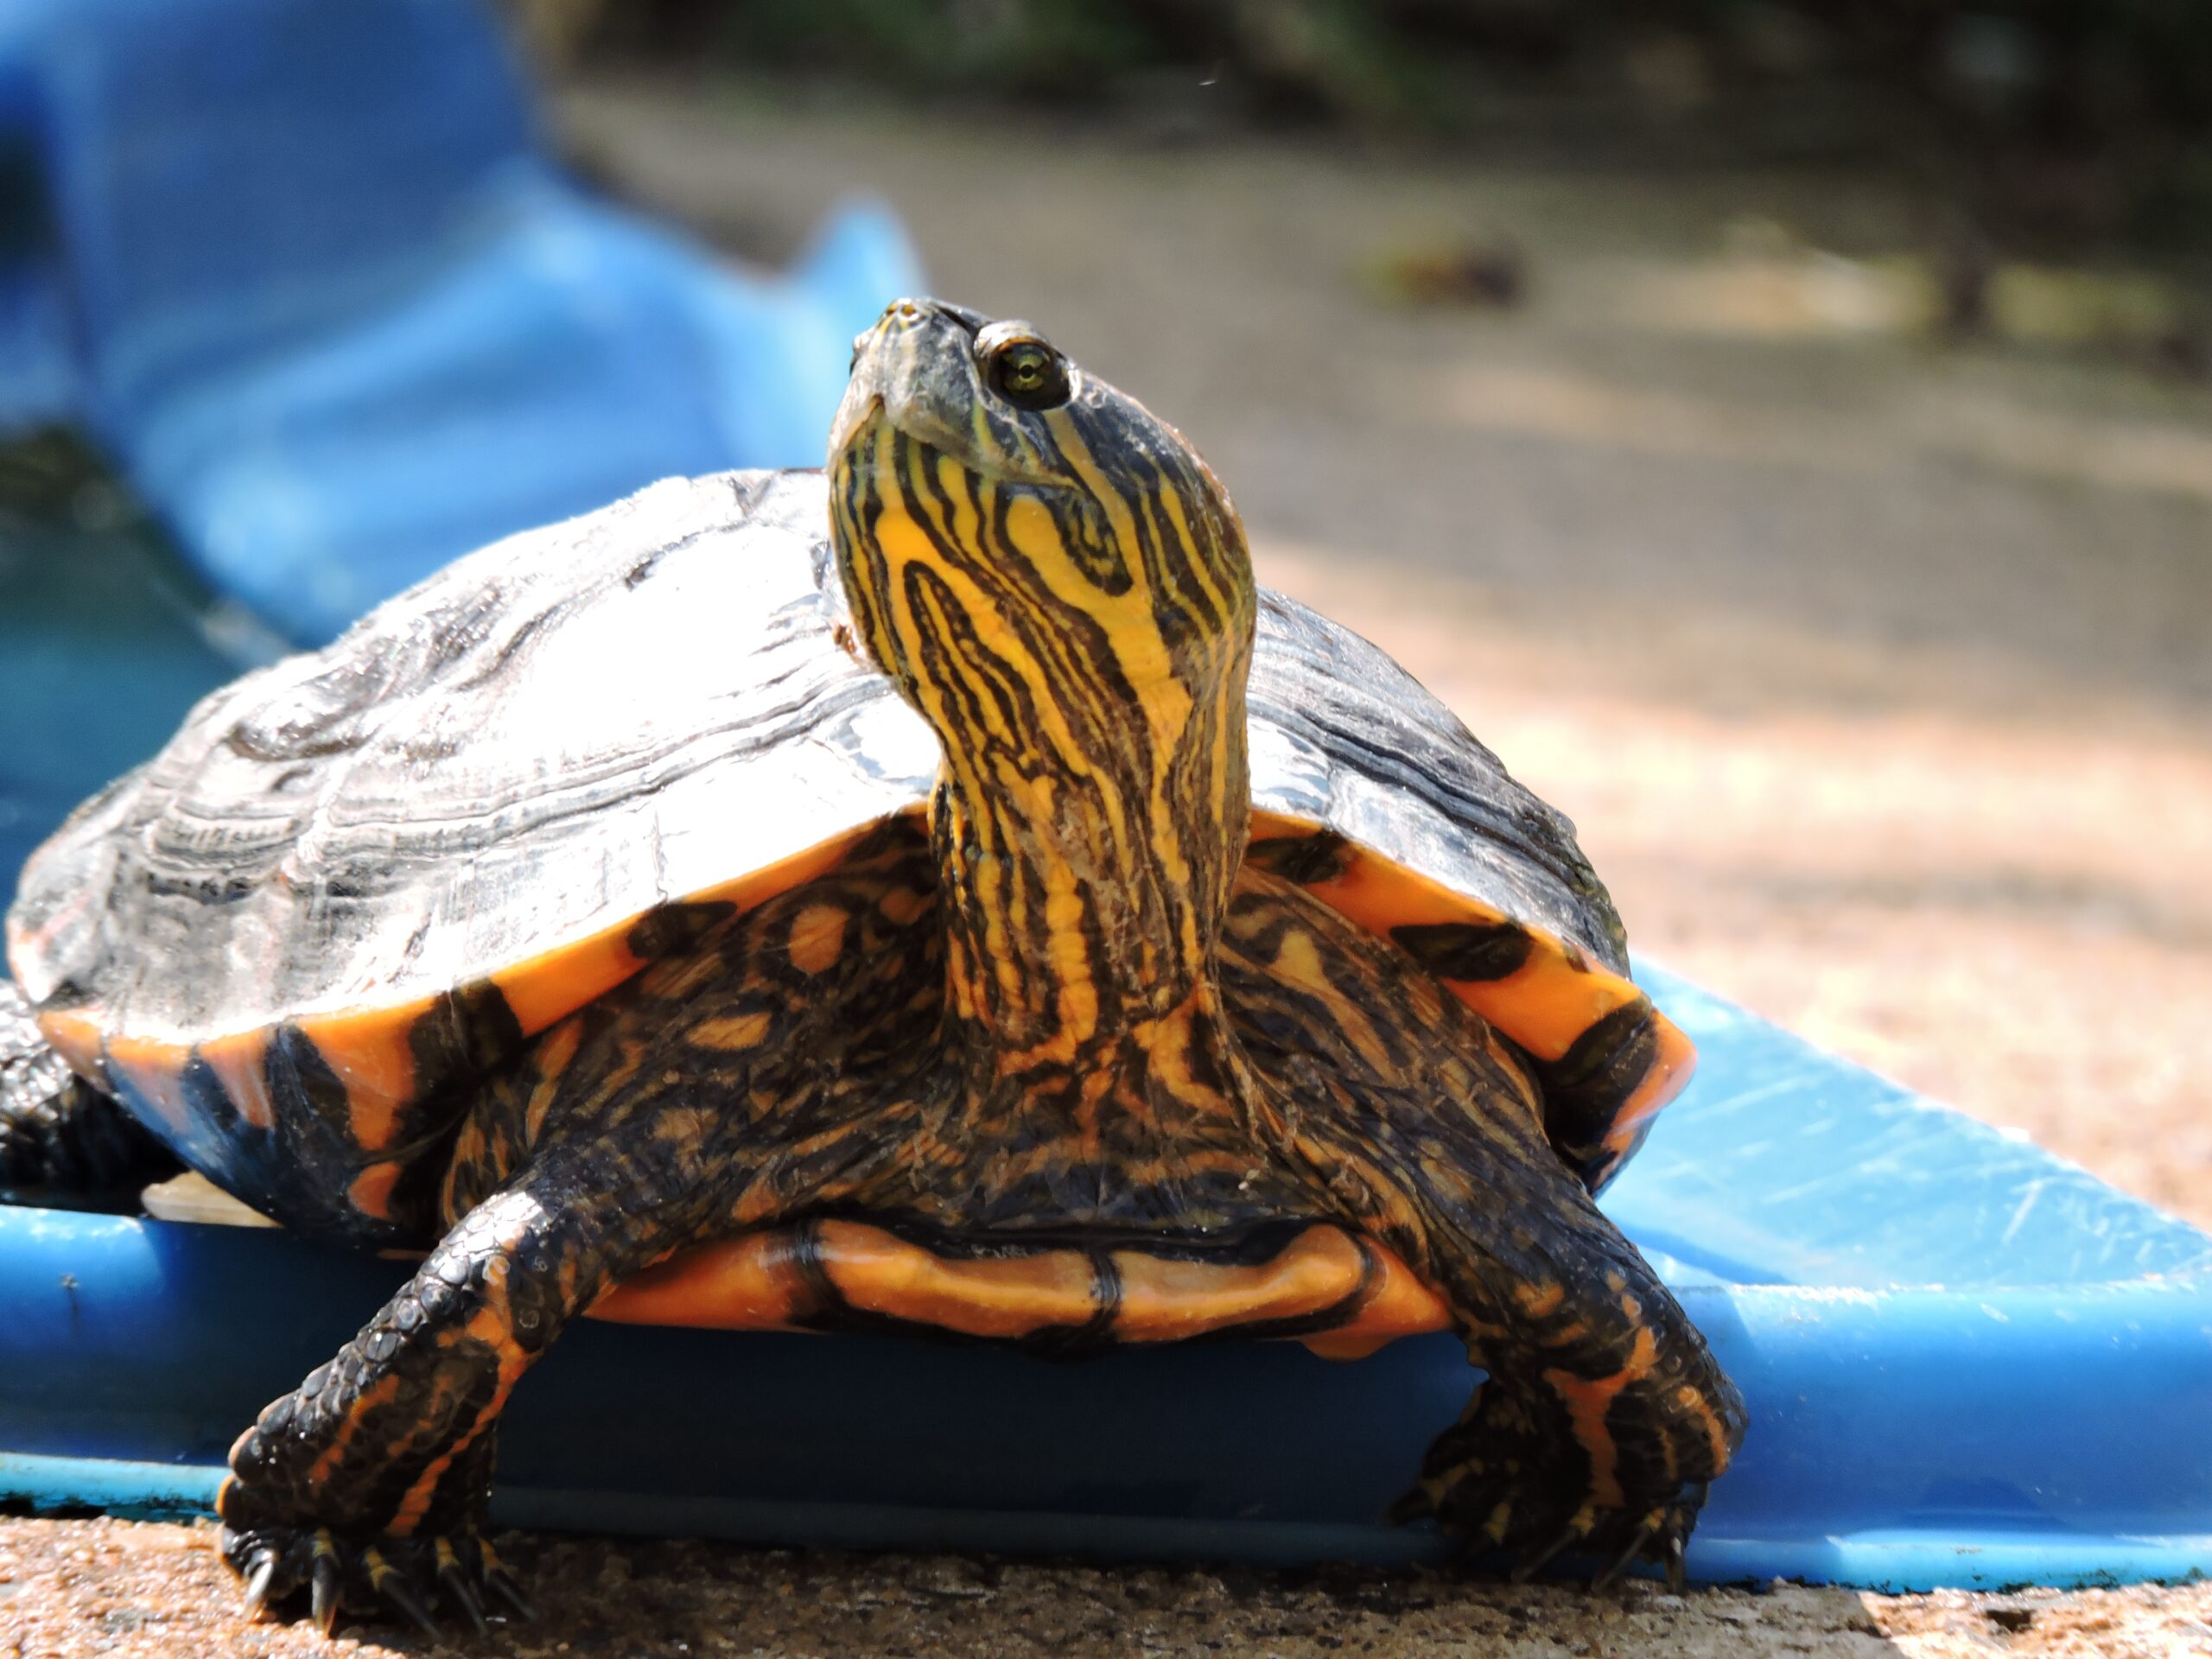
pixel 940 894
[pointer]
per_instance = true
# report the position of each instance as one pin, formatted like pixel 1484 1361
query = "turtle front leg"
pixel 1602 1422
pixel 725 1087
pixel 1603 1417
pixel 373 1475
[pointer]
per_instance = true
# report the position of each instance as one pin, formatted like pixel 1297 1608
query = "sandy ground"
pixel 1878 677
pixel 122 1589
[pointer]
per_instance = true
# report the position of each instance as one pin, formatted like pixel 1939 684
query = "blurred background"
pixel 1784 431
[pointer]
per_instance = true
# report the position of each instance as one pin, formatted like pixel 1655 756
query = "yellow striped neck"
pixel 1081 655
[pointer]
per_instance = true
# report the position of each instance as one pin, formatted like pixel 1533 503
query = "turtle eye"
pixel 1028 373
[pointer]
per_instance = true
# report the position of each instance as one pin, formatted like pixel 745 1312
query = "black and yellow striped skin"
pixel 337 1122
pixel 788 1087
pixel 1604 1059
pixel 1066 597
pixel 1055 1062
pixel 1076 630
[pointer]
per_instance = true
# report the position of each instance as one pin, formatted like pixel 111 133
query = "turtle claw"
pixel 1507 1486
pixel 325 1581
pixel 407 1575
pixel 452 1584
pixel 501 1584
pixel 391 1583
pixel 258 1583
pixel 1662 1536
pixel 1627 1553
pixel 1674 1532
pixel 1534 1561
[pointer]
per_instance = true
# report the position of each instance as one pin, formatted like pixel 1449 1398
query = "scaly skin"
pixel 697 1099
pixel 1604 1417
pixel 759 1078
pixel 1060 586
pixel 1061 1008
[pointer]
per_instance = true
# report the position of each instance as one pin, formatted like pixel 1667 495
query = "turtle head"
pixel 972 389
pixel 979 473
pixel 998 398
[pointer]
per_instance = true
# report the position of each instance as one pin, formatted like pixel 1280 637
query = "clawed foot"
pixel 1504 1482
pixel 1661 1533
pixel 1489 1520
pixel 408 1575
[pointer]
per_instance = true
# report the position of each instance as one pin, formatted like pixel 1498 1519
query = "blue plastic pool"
pixel 310 273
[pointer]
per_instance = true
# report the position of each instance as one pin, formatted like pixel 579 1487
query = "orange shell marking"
pixel 153 1072
pixel 1544 1005
pixel 75 1035
pixel 556 982
pixel 240 1065
pixel 372 1055
pixel 755 1283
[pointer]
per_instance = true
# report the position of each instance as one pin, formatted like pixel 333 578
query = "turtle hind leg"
pixel 1603 1416
pixel 59 1135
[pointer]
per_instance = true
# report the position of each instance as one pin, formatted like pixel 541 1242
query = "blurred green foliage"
pixel 2052 119
pixel 1043 48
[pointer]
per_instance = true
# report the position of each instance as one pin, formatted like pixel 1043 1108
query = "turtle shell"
pixel 361 875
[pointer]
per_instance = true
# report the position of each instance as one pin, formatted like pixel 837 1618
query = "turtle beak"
pixel 917 360
pixel 863 404
pixel 872 351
